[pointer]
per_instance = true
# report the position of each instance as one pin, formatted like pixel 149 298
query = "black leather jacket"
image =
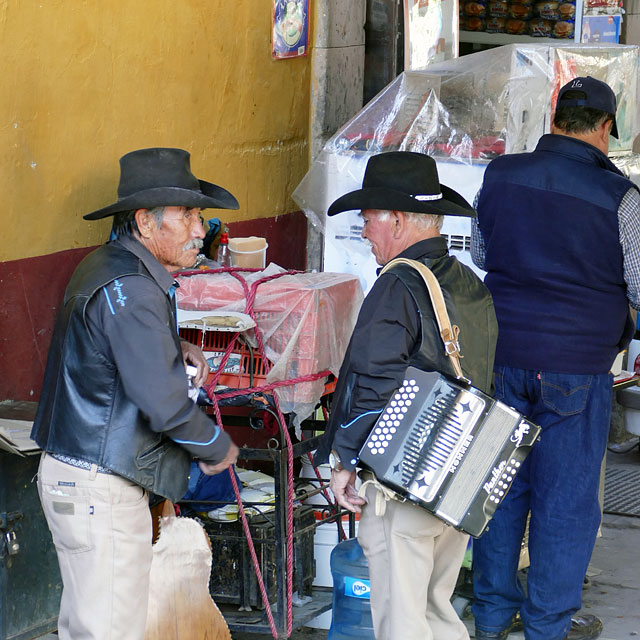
pixel 374 367
pixel 84 411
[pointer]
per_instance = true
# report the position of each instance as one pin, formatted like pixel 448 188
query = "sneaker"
pixel 584 628
pixel 516 625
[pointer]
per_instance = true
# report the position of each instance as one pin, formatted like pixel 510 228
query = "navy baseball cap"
pixel 598 95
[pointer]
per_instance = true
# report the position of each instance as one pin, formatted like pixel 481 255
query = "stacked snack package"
pixel 542 18
pixel 553 19
pixel 473 15
pixel 498 11
pixel 520 13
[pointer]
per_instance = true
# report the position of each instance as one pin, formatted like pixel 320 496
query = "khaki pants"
pixel 414 561
pixel 101 527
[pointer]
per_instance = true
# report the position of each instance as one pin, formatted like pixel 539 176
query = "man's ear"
pixel 398 221
pixel 145 221
pixel 603 133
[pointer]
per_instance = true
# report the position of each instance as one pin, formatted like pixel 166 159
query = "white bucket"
pixel 632 351
pixel 249 259
pixel 307 471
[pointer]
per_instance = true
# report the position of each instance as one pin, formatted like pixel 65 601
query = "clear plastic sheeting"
pixel 467 111
pixel 629 165
pixel 306 321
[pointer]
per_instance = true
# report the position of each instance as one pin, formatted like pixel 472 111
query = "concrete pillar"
pixel 337 80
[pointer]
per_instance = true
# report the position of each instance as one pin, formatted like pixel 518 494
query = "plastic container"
pixel 250 253
pixel 351 613
pixel 324 542
pixel 630 400
pixel 243 369
pixel 307 471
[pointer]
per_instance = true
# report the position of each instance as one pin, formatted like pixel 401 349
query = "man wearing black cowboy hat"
pixel 414 558
pixel 115 420
pixel 557 233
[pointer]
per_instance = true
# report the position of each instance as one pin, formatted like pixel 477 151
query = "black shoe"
pixel 516 625
pixel 584 628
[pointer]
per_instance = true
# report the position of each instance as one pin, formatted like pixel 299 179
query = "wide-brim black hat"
pixel 403 181
pixel 160 177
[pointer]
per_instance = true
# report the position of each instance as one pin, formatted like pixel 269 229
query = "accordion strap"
pixel 448 332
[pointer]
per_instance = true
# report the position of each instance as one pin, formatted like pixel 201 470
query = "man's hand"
pixel 193 356
pixel 230 458
pixel 343 486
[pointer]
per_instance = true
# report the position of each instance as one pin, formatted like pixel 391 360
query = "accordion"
pixel 450 449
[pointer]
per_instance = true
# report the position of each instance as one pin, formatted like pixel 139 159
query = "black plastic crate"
pixel 233 578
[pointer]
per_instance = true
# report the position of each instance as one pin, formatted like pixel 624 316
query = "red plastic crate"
pixel 245 367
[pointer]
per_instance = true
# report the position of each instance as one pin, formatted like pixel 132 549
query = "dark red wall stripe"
pixel 32 289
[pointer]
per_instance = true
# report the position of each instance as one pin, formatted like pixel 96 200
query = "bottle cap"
pixel 224 238
pixel 191 371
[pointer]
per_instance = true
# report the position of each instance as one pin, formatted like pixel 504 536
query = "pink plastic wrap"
pixel 306 321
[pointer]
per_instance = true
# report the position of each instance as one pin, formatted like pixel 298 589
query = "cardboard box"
pixel 601 29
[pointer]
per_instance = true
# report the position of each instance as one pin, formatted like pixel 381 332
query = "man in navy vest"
pixel 558 233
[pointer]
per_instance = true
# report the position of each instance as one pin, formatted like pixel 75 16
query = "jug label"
pixel 357 588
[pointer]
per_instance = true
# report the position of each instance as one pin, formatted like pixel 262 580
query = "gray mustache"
pixel 193 244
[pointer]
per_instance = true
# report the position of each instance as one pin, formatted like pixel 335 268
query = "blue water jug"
pixel 351 613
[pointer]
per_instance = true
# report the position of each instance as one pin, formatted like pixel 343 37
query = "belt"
pixel 81 464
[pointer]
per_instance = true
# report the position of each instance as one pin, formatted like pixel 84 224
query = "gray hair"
pixel 422 221
pixel 124 222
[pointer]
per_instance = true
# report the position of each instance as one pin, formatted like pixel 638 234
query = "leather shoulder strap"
pixel 448 332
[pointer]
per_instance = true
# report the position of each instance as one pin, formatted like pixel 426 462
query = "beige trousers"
pixel 414 561
pixel 101 527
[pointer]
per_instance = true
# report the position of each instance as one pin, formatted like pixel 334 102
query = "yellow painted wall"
pixel 85 81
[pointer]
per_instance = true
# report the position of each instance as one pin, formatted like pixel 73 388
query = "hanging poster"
pixel 290 28
pixel 431 32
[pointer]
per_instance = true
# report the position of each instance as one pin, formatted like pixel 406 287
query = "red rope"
pixel 247 533
pixel 250 295
pixel 268 387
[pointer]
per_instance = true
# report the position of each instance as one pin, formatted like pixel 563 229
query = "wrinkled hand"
pixel 193 355
pixel 213 469
pixel 343 486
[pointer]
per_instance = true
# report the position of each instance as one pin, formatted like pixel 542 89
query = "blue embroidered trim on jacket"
pixel 368 413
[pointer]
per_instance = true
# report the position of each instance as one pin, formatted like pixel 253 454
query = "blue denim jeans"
pixel 558 484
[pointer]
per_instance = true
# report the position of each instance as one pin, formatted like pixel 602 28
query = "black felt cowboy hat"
pixel 159 177
pixel 403 181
